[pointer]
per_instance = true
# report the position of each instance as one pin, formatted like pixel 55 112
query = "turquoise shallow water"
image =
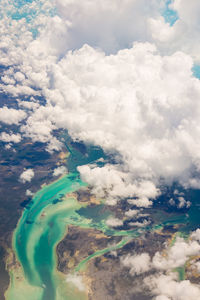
pixel 38 231
pixel 43 224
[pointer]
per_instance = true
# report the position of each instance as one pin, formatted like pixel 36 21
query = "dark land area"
pixel 107 278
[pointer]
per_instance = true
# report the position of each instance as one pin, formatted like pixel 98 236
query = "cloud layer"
pixel 138 104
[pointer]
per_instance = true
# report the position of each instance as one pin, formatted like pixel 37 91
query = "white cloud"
pixel 167 287
pixel 137 104
pixel 184 34
pixel 54 145
pixel 118 184
pixel 29 193
pixel 29 104
pixel 107 25
pixel 145 122
pixel 140 202
pixel 131 213
pixel 114 222
pixel 196 235
pixel 59 171
pixel 183 203
pixel 137 263
pixel 14 138
pixel 177 255
pixel 152 131
pixel 8 146
pixel 11 115
pixel 26 176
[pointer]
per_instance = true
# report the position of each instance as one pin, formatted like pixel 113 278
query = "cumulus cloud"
pixel 183 203
pixel 145 121
pixel 150 121
pixel 32 105
pixel 114 222
pixel 177 255
pixel 179 200
pixel 196 235
pixel 131 213
pixel 136 104
pixel 184 34
pixel 106 25
pixel 137 263
pixel 26 176
pixel 14 138
pixel 60 171
pixel 11 116
pixel 112 180
pixel 167 287
pixel 29 193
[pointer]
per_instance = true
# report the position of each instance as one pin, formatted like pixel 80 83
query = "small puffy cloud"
pixel 137 263
pixel 28 104
pixel 26 176
pixel 29 193
pixel 140 202
pixel 54 145
pixel 183 203
pixel 60 171
pixel 131 213
pixel 172 202
pixel 14 138
pixel 114 222
pixel 11 115
pixel 179 200
pixel 19 76
pixel 8 146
